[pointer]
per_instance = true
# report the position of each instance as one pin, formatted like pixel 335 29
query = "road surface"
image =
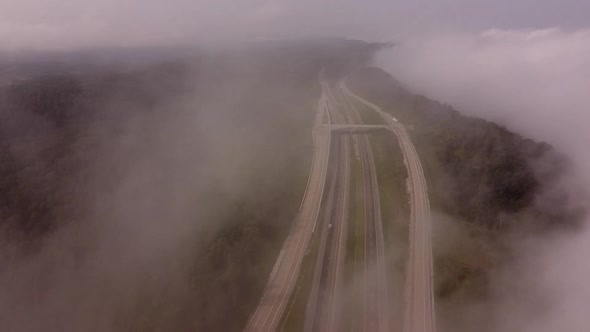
pixel 323 309
pixel 323 301
pixel 286 269
pixel 324 213
pixel 419 315
pixel 376 316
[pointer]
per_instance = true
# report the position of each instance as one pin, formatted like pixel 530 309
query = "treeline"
pixel 44 136
pixel 255 108
pixel 477 170
pixel 488 187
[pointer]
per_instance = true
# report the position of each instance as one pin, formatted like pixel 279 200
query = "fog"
pixel 58 24
pixel 535 82
pixel 144 178
pixel 525 65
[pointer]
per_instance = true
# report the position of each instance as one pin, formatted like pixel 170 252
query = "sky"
pixel 59 24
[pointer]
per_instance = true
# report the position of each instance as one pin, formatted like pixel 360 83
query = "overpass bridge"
pixel 355 129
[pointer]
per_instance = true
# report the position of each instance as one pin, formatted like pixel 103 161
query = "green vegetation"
pixel 248 209
pixel 391 175
pixel 368 115
pixel 73 138
pixel 475 169
pixel 70 139
pixel 482 183
pixel 355 243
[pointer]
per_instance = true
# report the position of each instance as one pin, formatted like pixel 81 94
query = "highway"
pixel 419 315
pixel 323 301
pixel 356 128
pixel 286 269
pixel 322 313
pixel 376 317
pixel 323 217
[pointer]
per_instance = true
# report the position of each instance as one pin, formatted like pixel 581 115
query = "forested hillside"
pixel 155 195
pixel 477 170
pixel 490 189
pixel 167 187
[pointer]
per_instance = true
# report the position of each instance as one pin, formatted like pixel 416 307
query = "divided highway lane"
pixel 376 316
pixel 323 300
pixel 419 315
pixel 335 271
pixel 284 275
pixel 327 280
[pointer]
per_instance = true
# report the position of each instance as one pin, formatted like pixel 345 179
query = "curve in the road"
pixel 323 300
pixel 419 295
pixel 376 301
pixel 282 279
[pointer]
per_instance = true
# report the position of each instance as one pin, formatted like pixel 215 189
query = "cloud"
pixel 62 24
pixel 536 83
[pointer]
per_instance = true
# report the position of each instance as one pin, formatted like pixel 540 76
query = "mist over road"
pixel 419 297
pixel 284 274
pixel 322 310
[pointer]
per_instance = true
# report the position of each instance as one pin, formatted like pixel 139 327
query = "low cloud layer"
pixel 147 168
pixel 530 78
pixel 535 82
pixel 58 24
